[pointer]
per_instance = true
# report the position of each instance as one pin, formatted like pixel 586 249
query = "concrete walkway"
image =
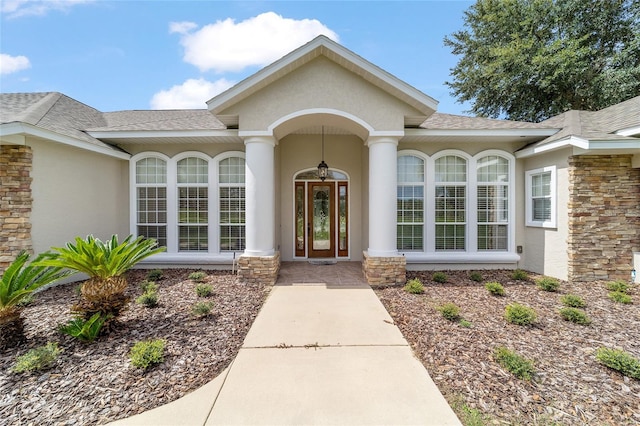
pixel 317 353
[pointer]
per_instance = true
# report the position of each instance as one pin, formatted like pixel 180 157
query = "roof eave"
pixel 582 146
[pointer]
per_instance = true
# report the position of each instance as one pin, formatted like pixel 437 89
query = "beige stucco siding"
pixel 172 149
pixel 76 193
pixel 321 84
pixel 545 249
pixel 300 152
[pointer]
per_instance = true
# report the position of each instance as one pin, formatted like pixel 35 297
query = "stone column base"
pixel 384 270
pixel 259 269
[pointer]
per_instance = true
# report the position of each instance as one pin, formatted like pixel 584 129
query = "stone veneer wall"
pixel 384 270
pixel 15 202
pixel 259 269
pixel 604 217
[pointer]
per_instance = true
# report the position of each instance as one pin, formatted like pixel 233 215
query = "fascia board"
pixel 629 131
pixel 581 144
pixel 30 130
pixel 480 132
pixel 133 134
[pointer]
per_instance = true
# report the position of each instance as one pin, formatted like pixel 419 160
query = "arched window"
pixel 493 203
pixel 232 204
pixel 450 203
pixel 410 203
pixel 151 198
pixel 192 179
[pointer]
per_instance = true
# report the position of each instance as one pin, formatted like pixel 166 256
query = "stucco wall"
pixel 76 193
pixel 299 152
pixel 545 249
pixel 172 149
pixel 321 84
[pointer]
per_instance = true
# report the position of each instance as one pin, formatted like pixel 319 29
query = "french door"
pixel 321 219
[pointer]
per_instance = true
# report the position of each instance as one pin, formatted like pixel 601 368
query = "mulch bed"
pixel 570 386
pixel 95 383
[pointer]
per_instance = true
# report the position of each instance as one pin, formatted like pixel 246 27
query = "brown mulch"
pixel 570 387
pixel 95 383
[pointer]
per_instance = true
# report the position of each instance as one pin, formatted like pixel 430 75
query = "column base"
pixel 380 271
pixel 259 269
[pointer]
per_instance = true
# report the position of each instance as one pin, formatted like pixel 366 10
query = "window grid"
pixel 151 199
pixel 541 197
pixel 192 177
pixel 232 204
pixel 493 203
pixel 410 203
pixel 451 203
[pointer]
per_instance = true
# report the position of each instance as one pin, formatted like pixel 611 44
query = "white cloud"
pixel 182 27
pixel 230 46
pixel 189 95
pixel 19 8
pixel 10 64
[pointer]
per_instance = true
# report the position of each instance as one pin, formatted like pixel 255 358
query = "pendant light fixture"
pixel 323 168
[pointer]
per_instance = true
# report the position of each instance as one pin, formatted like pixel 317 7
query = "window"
pixel 451 203
pixel 232 204
pixel 193 204
pixel 541 197
pixel 493 203
pixel 151 199
pixel 410 203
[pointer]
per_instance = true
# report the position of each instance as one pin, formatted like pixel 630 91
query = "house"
pixel 406 187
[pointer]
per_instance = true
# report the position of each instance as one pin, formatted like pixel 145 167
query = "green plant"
pixel 518 314
pixel 520 275
pixel 85 330
pixel 619 360
pixel 148 299
pixel 146 286
pixel 17 284
pixel 449 311
pixel 475 276
pixel 467 324
pixel 619 297
pixel 572 301
pixel 202 309
pixel 575 315
pixel 154 275
pixel 619 286
pixel 439 277
pixel 414 286
pixel 495 288
pixel 27 300
pixel 197 276
pixel 40 358
pixel 147 353
pixel 548 284
pixel 204 290
pixel 105 263
pixel 516 364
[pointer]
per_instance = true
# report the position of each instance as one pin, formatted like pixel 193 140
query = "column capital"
pixel 391 139
pixel 255 137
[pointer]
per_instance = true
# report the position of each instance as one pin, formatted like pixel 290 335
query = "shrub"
pixel 450 311
pixel 575 315
pixel 148 299
pixel 414 286
pixel 204 290
pixel 495 288
pixel 518 314
pixel 465 323
pixel 520 275
pixel 619 297
pixel 147 353
pixel 548 284
pixel 619 286
pixel 40 358
pixel 475 276
pixel 619 360
pixel 154 275
pixel 439 277
pixel 147 286
pixel 197 276
pixel 516 364
pixel 572 301
pixel 88 330
pixel 202 309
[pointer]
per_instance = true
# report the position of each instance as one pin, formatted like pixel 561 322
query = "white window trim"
pixel 472 254
pixel 552 223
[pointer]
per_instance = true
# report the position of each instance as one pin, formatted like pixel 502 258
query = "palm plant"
pixel 18 282
pixel 105 263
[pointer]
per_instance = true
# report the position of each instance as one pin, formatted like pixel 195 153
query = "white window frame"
pixel 425 194
pixel 432 205
pixel 552 222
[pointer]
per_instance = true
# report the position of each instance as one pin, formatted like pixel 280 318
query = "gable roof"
pixel 324 46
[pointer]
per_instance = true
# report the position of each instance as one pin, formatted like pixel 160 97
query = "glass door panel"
pixel 321 225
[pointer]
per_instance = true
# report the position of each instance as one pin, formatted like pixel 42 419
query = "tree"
pixel 532 59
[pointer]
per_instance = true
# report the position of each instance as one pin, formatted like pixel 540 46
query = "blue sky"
pixel 116 55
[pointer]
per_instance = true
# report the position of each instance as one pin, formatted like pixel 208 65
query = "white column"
pixel 382 196
pixel 260 196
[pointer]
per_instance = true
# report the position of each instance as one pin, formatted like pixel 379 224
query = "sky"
pixel 125 55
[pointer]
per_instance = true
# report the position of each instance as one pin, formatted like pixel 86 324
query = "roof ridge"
pixel 35 112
